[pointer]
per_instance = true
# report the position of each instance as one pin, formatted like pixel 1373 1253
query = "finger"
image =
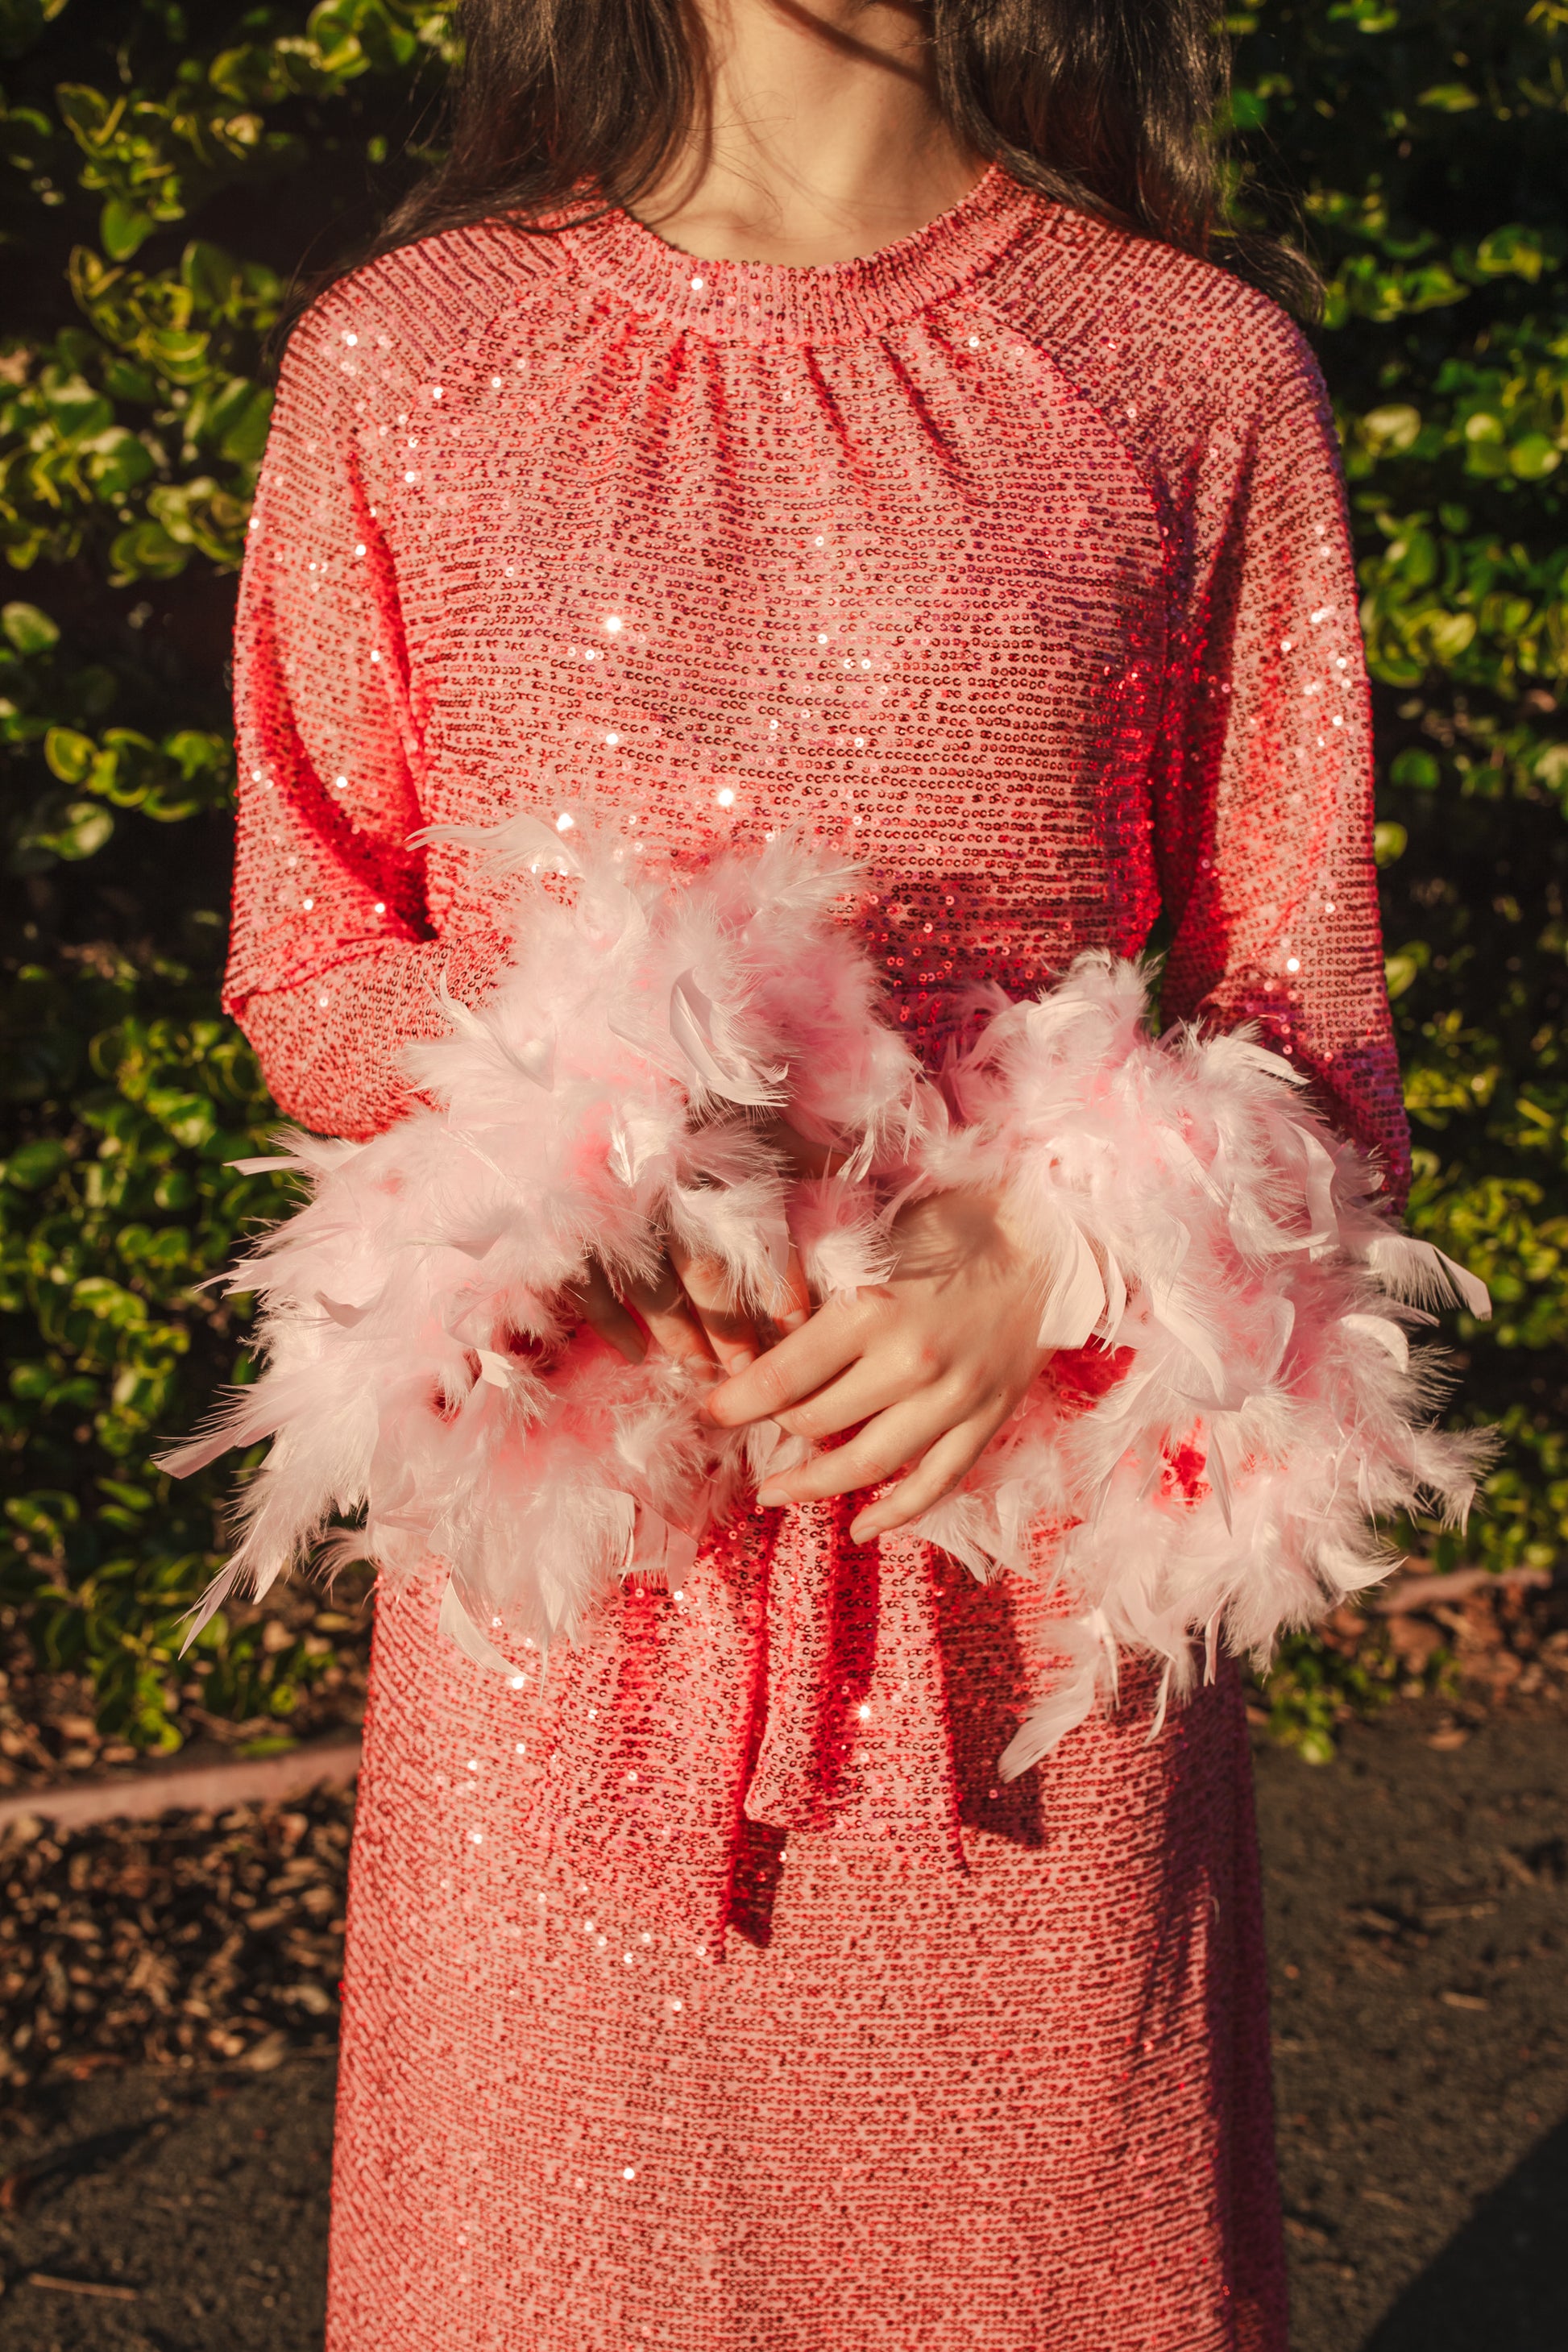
pixel 738 1340
pixel 731 1335
pixel 902 1434
pixel 603 1312
pixel 870 1385
pixel 671 1323
pixel 799 1365
pixel 936 1474
pixel 795 1306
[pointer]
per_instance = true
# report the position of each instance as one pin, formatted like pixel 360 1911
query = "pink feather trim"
pixel 1216 1249
pixel 1233 1401
pixel 424 1374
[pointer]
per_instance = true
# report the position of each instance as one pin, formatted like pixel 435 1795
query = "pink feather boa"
pixel 1234 1400
pixel 1250 1400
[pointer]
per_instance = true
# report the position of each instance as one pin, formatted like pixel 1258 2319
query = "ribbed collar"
pixel 767 301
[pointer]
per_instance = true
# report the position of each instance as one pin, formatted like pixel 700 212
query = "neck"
pixel 822 141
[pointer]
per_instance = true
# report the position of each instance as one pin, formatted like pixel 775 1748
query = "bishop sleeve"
pixel 1263 812
pixel 333 968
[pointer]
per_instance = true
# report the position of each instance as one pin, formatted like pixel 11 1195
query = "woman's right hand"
pixel 686 1311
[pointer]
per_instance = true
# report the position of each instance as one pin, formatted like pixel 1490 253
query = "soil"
pixel 1418 1901
pixel 198 2198
pixel 1417 1892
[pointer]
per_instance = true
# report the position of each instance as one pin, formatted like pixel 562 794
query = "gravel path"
pixel 1418 1899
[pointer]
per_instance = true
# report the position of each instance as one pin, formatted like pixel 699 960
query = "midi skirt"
pixel 708 1989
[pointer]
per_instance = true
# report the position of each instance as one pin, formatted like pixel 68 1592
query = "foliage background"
pixel 163 170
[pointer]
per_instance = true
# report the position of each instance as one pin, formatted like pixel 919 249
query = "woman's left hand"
pixel 934 1361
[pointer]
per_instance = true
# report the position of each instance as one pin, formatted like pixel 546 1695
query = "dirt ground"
pixel 1419 1919
pixel 1418 1900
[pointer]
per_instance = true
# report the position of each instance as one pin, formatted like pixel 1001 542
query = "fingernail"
pixel 770 1497
pixel 862 1530
pixel 740 1361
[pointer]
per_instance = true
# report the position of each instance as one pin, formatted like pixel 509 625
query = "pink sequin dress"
pixel 712 1992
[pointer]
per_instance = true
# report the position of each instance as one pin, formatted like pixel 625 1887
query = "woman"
pixel 822 416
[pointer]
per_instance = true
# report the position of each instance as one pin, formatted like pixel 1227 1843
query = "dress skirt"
pixel 707 1991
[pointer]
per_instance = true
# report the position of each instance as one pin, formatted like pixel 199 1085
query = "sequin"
pixel 1015 557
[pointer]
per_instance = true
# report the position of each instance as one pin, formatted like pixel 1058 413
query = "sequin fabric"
pixel 707 1991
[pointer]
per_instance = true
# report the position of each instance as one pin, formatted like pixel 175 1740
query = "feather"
pixel 1263 1339
pixel 460 1630
pixel 1070 1701
pixel 844 1243
pixel 1075 1300
pixel 1420 1271
pixel 721 1066
pixel 424 1378
pixel 430 1393
pixel 523 840
pixel 1219 1475
pixel 1386 1333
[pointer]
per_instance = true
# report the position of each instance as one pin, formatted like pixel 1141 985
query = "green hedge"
pixel 162 171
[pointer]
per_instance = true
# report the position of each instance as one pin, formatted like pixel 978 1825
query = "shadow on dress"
pixel 1501 2282
pixel 990 1690
pixel 987 1686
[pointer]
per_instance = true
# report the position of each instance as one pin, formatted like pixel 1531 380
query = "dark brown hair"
pixel 1108 106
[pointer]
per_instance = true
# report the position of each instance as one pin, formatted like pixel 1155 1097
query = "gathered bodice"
pixel 1011 560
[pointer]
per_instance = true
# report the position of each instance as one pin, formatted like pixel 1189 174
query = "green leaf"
pixel 116 461
pixel 1534 457
pixel 123 228
pixel 22 23
pixel 1392 428
pixel 1449 633
pixel 34 1165
pixel 76 411
pixel 1450 97
pixel 44 1513
pixel 134 1499
pixel 29 629
pixel 240 422
pixel 214 277
pixel 70 756
pixel 85 111
pixel 111 1302
pixel 1367 16
pixel 189 1117
pixel 124 380
pixel 85 827
pixel 146 551
pixel 1417 767
pixel 1512 252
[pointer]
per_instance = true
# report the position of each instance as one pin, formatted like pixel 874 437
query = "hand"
pixel 934 1361
pixel 686 1312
